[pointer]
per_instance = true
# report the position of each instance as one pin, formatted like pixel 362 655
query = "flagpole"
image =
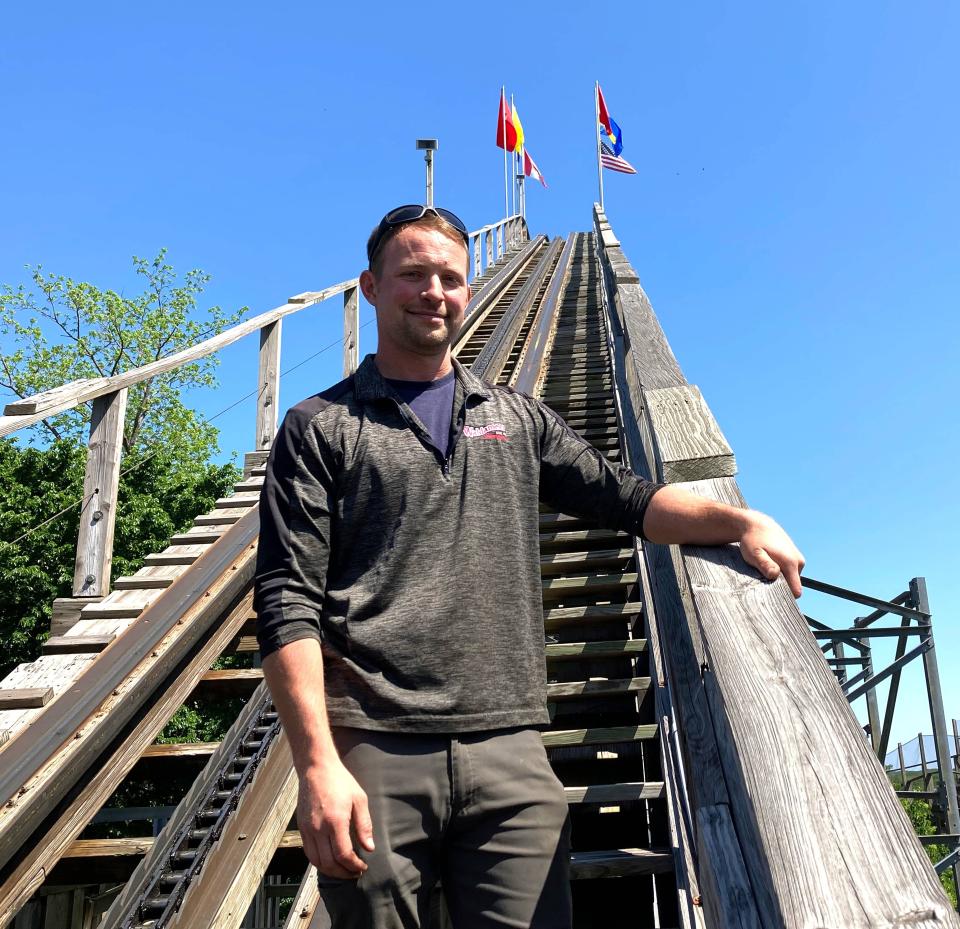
pixel 506 171
pixel 520 182
pixel 513 186
pixel 596 123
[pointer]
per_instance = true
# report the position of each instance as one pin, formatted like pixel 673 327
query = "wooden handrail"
pixel 794 820
pixel 30 410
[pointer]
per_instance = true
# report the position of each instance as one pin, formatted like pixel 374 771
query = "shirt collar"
pixel 369 383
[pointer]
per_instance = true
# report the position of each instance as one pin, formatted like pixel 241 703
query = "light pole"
pixel 429 146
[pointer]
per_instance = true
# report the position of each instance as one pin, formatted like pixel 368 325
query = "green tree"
pixel 920 813
pixel 63 330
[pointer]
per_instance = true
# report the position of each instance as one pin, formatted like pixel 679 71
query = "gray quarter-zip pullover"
pixel 418 572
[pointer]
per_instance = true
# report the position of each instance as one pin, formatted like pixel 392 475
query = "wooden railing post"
pixel 91 576
pixel 489 237
pixel 500 248
pixel 351 330
pixel 477 266
pixel 269 385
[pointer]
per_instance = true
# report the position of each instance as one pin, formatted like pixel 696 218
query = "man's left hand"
pixel 766 547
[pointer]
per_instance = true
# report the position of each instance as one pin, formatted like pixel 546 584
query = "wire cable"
pixel 143 460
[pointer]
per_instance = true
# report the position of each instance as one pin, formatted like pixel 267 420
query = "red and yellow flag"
pixel 506 130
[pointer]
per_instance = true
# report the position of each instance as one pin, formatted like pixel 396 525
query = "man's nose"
pixel 433 287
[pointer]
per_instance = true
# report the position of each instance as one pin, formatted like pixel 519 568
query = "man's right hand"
pixel 331 802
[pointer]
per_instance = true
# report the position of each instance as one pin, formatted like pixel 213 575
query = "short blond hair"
pixel 428 221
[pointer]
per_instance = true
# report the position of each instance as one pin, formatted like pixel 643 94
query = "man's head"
pixel 398 218
pixel 417 281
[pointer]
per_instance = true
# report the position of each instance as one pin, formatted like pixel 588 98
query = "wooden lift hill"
pixel 715 773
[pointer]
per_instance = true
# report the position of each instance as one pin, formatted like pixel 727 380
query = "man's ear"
pixel 368 287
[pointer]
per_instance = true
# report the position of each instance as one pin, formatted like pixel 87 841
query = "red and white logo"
pixel 487 431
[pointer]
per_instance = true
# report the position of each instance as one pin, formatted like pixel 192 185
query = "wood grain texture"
pixel 66 611
pixel 308 897
pixel 86 644
pixel 688 443
pixel 98 516
pixel 268 385
pixel 351 330
pixel 25 698
pixel 48 671
pixel 825 839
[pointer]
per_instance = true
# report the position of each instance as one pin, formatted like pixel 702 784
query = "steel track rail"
pixel 489 296
pixel 159 883
pixel 497 349
pixel 530 367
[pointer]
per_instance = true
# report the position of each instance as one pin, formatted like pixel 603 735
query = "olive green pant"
pixel 482 813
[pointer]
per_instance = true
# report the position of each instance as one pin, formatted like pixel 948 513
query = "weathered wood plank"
pixel 769 685
pixel 48 671
pixel 176 554
pixel 151 576
pixel 180 750
pixel 598 736
pixel 620 863
pixel 70 395
pixel 268 385
pixel 91 575
pixel 66 611
pixel 351 330
pixel 25 698
pixel 77 644
pixel 615 793
pixel 121 604
pixel 689 445
pixel 572 651
pixel 308 895
pixel 614 687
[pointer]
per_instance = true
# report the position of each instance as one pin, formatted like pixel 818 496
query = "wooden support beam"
pixel 77 644
pixel 66 611
pixel 25 698
pixel 268 385
pixel 98 516
pixel 688 443
pixel 477 265
pixel 305 902
pixel 351 330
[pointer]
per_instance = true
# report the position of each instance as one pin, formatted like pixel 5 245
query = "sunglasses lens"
pixel 408 213
pixel 453 219
pixel 403 214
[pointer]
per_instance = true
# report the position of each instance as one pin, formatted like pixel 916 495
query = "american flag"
pixel 614 162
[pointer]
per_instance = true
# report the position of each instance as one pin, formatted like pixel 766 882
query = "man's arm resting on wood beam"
pixel 677 517
pixel 330 799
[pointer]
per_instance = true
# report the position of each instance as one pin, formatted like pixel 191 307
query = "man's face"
pixel 420 293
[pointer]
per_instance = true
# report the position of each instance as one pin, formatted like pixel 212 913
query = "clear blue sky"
pixel 794 220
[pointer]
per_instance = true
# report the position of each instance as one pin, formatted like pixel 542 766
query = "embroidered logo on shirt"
pixel 487 431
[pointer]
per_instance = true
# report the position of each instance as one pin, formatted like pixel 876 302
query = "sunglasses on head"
pixel 410 213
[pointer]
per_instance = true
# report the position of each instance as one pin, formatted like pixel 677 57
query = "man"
pixel 399 606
